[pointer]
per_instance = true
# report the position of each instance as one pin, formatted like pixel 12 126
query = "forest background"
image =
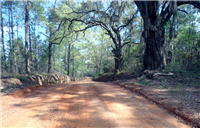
pixel 88 38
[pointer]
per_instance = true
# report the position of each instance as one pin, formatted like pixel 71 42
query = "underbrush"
pixel 104 77
pixel 174 84
pixel 192 71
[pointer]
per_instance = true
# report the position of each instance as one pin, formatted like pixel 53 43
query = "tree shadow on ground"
pixel 88 104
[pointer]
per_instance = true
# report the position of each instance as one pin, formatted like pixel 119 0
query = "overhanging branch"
pixel 128 22
pixel 44 34
pixel 194 3
pixel 125 43
pixel 183 11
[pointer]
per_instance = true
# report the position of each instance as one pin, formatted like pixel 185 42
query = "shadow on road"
pixel 90 104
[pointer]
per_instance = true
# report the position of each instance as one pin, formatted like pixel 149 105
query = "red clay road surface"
pixel 82 104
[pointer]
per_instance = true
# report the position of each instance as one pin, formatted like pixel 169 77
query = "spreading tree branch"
pixel 129 21
pixel 125 43
pixel 183 11
pixel 44 34
pixel 168 12
pixel 194 3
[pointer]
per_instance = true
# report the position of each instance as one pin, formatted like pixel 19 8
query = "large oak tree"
pixel 116 19
pixel 155 15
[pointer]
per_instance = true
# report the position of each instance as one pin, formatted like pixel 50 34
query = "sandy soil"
pixel 82 104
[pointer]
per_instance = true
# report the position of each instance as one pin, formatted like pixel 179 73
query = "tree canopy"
pixel 94 38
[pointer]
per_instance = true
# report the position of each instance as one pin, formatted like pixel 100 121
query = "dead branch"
pixel 152 73
pixel 164 74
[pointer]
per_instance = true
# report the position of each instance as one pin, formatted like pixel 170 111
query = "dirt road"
pixel 82 104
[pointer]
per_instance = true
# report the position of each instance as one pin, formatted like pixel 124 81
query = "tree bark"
pixel 54 58
pixel 36 64
pixel 73 73
pixel 4 51
pixel 100 67
pixel 10 41
pixel 68 59
pixel 117 51
pixel 26 36
pixel 19 53
pixel 50 55
pixel 118 59
pixel 154 40
pixel 1 63
pixel 66 56
pixel 171 49
pixel 30 43
pixel 13 43
pixel 37 51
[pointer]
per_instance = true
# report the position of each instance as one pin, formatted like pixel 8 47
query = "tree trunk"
pixel 50 48
pixel 117 51
pixel 153 34
pixel 30 43
pixel 68 59
pixel 1 63
pixel 13 43
pixel 154 39
pixel 170 51
pixel 54 59
pixel 66 56
pixel 50 55
pixel 10 42
pixel 36 64
pixel 100 67
pixel 19 53
pixel 73 73
pixel 37 51
pixel 4 51
pixel 118 59
pixel 26 36
pixel 101 57
pixel 154 51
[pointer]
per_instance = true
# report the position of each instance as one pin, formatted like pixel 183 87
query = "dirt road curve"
pixel 83 104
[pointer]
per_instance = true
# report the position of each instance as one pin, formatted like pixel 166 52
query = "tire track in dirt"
pixel 138 106
pixel 39 107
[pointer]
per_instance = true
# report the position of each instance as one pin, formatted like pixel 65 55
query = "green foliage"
pixel 65 72
pixel 96 75
pixel 92 50
pixel 118 72
pixel 176 67
pixel 21 78
pixel 133 60
pixel 182 70
pixel 184 45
